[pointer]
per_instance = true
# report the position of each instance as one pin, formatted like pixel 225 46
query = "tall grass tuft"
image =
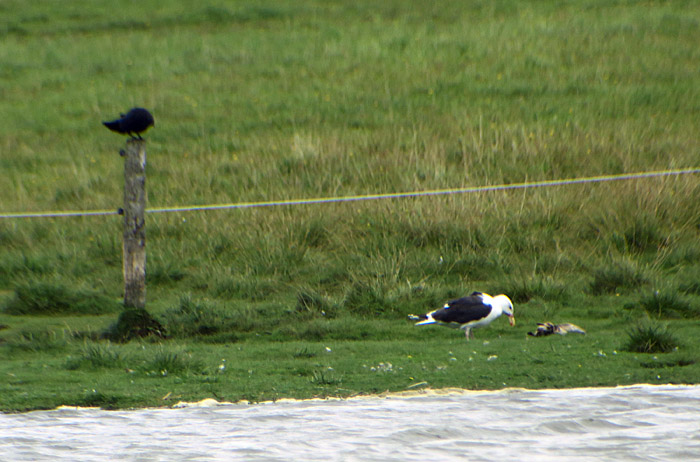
pixel 38 340
pixel 650 338
pixel 643 235
pixel 303 353
pixel 171 361
pixel 615 277
pixel 191 318
pixel 368 299
pixel 312 304
pixel 524 289
pixel 325 377
pixel 134 323
pixel 97 356
pixel 55 298
pixel 689 280
pixel 94 398
pixel 668 304
pixel 217 321
pixel 163 272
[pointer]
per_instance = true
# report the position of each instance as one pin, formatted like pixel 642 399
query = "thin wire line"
pixel 60 214
pixel 326 200
pixel 502 187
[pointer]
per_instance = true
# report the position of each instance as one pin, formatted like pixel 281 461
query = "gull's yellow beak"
pixel 511 320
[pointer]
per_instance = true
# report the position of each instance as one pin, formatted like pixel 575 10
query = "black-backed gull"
pixel 476 310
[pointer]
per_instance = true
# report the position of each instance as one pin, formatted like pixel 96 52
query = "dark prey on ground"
pixel 133 123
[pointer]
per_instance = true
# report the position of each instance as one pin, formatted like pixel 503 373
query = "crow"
pixel 136 121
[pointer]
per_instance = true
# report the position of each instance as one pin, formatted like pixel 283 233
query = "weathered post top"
pixel 134 223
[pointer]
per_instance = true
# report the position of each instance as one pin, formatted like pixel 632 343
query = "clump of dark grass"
pixel 212 322
pixel 55 298
pixel 312 304
pixel 162 272
pixel 37 341
pixel 668 305
pixel 107 248
pixel 522 290
pixel 135 323
pixel 682 362
pixel 682 254
pixel 643 235
pixel 420 298
pixel 650 338
pixel 171 361
pixel 94 398
pixel 689 280
pixel 303 352
pixel 250 287
pixel 313 234
pixel 365 299
pixel 220 338
pixel 313 330
pixel 97 356
pixel 346 328
pixel 20 266
pixel 614 277
pixel 442 234
pixel 325 377
pixel 191 318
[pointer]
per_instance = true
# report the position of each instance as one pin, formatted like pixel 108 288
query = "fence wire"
pixel 365 197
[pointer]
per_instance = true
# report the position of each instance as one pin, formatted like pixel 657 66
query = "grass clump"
pixel 216 322
pixel 94 398
pixel 303 352
pixel 97 356
pixel 53 298
pixel 643 235
pixel 135 323
pixel 668 305
pixel 689 280
pixel 37 341
pixel 522 290
pixel 192 318
pixel 368 299
pixel 161 272
pixel 615 277
pixel 650 338
pixel 681 362
pixel 311 304
pixel 167 361
pixel 325 377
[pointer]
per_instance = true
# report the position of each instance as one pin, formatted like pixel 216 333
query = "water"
pixel 650 423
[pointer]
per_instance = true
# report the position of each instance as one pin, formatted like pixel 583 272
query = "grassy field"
pixel 276 100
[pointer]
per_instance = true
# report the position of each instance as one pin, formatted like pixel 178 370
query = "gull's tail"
pixel 114 125
pixel 423 318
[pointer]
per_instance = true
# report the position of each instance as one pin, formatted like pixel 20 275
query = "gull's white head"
pixel 506 306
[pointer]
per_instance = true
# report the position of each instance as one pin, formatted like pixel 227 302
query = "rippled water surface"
pixel 607 424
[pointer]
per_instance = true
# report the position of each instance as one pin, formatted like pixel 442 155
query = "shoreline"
pixel 406 394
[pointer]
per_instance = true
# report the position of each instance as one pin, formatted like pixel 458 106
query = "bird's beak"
pixel 511 320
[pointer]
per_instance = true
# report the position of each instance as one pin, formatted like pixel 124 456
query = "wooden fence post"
pixel 134 224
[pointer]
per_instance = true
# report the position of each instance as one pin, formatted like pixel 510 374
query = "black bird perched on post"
pixel 136 121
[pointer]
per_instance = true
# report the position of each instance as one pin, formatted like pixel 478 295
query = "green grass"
pixel 650 338
pixel 666 304
pixel 259 100
pixel 49 298
pixel 96 356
